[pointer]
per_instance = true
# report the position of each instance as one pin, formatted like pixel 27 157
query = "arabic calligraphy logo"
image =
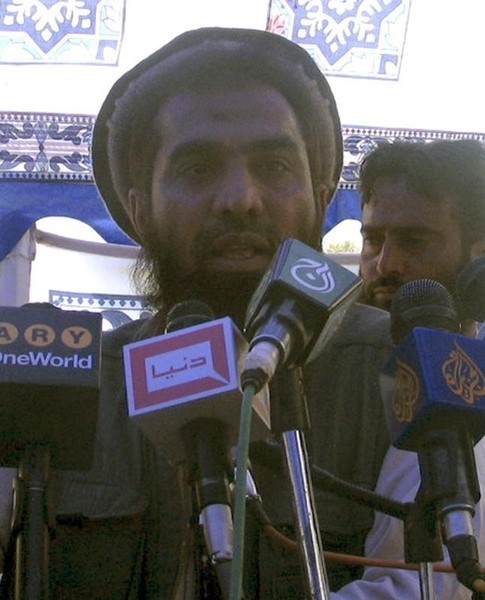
pixel 463 376
pixel 406 392
pixel 313 275
pixel 180 366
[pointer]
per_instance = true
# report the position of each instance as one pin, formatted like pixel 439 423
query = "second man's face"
pixel 407 237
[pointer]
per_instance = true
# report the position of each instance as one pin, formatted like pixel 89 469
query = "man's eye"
pixel 413 243
pixel 371 241
pixel 273 165
pixel 194 169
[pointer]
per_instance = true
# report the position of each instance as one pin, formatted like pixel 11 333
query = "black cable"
pixel 268 454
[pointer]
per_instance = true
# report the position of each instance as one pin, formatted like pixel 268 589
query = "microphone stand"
pixel 426 581
pixel 209 472
pixel 30 524
pixel 422 542
pixel 289 418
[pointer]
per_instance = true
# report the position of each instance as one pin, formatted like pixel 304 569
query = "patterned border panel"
pixel 115 308
pixel 353 38
pixel 40 146
pixel 43 146
pixel 359 141
pixel 84 32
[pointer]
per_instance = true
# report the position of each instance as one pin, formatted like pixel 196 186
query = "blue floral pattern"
pixel 61 31
pixel 358 38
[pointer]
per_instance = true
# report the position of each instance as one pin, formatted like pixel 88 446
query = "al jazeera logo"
pixel 463 376
pixel 406 392
pixel 39 338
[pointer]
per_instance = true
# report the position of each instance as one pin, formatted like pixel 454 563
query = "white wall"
pixel 66 265
pixel 76 89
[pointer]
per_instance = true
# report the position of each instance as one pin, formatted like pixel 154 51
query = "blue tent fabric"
pixel 345 205
pixel 22 203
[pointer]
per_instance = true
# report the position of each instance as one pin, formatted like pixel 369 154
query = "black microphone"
pixel 49 383
pixel 208 455
pixel 183 392
pixel 49 388
pixel 299 303
pixel 470 290
pixel 422 303
pixel 434 392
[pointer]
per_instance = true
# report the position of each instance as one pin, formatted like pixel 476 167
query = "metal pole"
pixel 316 578
pixel 426 581
pixel 32 543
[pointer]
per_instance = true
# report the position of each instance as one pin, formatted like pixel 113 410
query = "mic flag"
pixel 191 373
pixel 49 383
pixel 300 301
pixel 436 379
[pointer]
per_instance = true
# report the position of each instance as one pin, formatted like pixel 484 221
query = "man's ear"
pixel 478 248
pixel 139 210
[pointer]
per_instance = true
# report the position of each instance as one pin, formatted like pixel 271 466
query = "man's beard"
pixel 159 278
pixel 395 281
pixel 369 291
pixel 160 281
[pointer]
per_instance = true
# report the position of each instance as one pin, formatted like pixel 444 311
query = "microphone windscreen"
pixel 470 290
pixel 188 313
pixel 422 303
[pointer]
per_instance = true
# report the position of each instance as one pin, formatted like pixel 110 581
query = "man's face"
pixel 407 237
pixel 231 181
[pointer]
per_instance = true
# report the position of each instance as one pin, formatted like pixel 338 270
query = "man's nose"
pixel 238 192
pixel 390 259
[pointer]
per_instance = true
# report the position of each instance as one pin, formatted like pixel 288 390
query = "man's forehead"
pixel 210 97
pixel 259 112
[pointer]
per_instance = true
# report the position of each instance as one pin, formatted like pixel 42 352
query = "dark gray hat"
pixel 125 121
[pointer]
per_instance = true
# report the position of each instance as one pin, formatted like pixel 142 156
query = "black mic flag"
pixel 298 305
pixel 49 383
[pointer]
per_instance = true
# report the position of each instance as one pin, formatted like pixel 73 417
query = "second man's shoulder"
pixel 364 324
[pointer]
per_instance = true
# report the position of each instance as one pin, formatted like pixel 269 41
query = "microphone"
pixel 434 391
pixel 470 290
pixel 294 311
pixel 207 452
pixel 49 383
pixel 189 372
pixel 183 391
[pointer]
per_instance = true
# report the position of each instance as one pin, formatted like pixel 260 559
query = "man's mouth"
pixel 238 252
pixel 384 294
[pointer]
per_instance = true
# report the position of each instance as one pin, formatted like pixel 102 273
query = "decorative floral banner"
pixel 60 32
pixel 357 38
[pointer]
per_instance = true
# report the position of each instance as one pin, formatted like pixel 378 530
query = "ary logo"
pixel 313 275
